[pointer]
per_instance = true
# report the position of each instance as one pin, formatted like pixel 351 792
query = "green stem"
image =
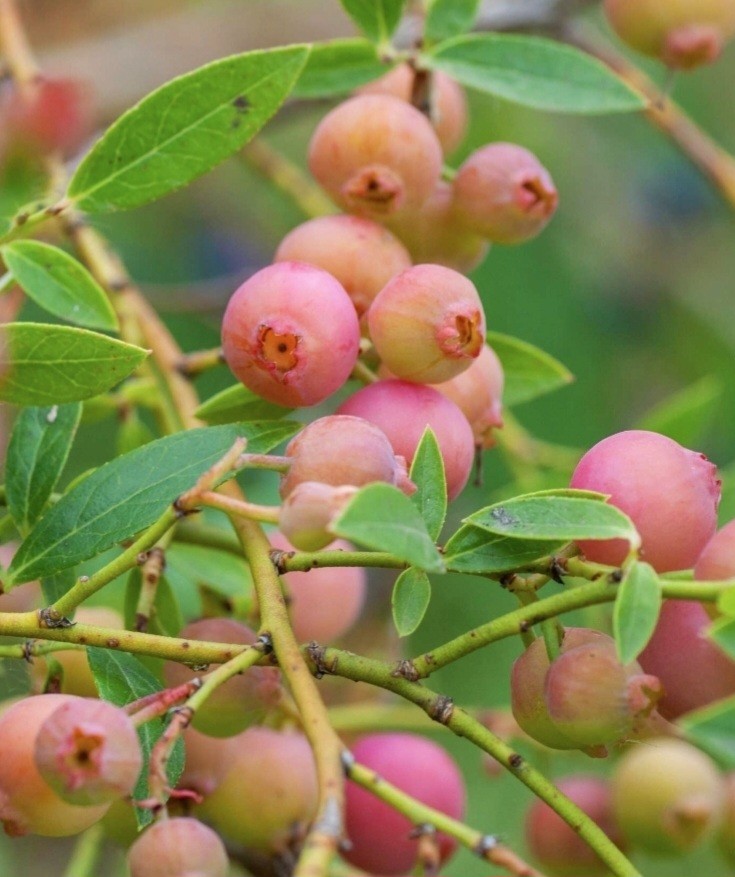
pixel 240 507
pixel 86 853
pixel 246 659
pixel 192 532
pixel 199 361
pixel 30 649
pixel 303 561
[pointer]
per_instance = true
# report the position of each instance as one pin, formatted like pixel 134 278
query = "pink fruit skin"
pixel 717 560
pixel 670 493
pixel 379 835
pixel 693 670
pixel 290 334
pixel 403 410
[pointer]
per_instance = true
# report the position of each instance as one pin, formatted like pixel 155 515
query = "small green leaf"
pixel 129 493
pixel 59 284
pixel 376 18
pixel 410 600
pixel 237 404
pixel 427 473
pixel 54 587
pixel 184 129
pixel 712 729
pixel 338 67
pixel 529 372
pixel 535 72
pixel 449 18
pixel 548 516
pixel 37 453
pixel 637 607
pixel 48 365
pixel 379 516
pixel 685 416
pixel 121 679
pixel 723 633
pixel 476 552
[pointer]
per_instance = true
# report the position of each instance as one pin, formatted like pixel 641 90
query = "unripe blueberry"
pixel 308 511
pixel 427 324
pixel 503 193
pixel 693 670
pixel 667 796
pixel 269 795
pixel 448 101
pixel 207 761
pixel 717 560
pixel 375 154
pixel 556 845
pixel 180 847
pixel 340 449
pixel 432 232
pixel 290 334
pixel 403 410
pixel 681 33
pixel 380 836
pixel 726 834
pixel 325 602
pixel 28 804
pixel 670 493
pixel 88 751
pixel 358 252
pixel 241 701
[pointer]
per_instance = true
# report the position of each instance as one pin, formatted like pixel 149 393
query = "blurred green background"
pixel 632 286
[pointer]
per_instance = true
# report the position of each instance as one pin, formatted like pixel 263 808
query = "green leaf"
pixel 449 18
pixel 379 516
pixel 685 415
pixel 166 618
pixel 121 679
pixel 184 129
pixel 535 72
pixel 427 473
pixel 54 587
pixel 477 552
pixel 237 404
pixel 225 573
pixel 129 493
pixel 529 372
pixel 410 600
pixel 338 67
pixel 23 188
pixel 712 729
pixel 637 607
pixel 37 453
pixel 723 633
pixel 376 18
pixel 59 284
pixel 549 516
pixel 48 365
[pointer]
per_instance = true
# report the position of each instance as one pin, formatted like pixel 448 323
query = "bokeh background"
pixel 632 286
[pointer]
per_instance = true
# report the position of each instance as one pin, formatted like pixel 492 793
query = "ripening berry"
pixel 726 834
pixel 717 560
pixel 375 154
pixel 339 450
pixel 432 233
pixel 427 324
pixel 180 847
pixel 558 847
pixel 667 796
pixel 269 794
pixel 241 701
pixel 403 410
pixel 503 193
pixel 681 33
pixel 448 101
pixel 28 804
pixel 325 602
pixel 693 670
pixel 670 493
pixel 207 761
pixel 88 751
pixel 290 334
pixel 309 509
pixel 380 836
pixel 361 254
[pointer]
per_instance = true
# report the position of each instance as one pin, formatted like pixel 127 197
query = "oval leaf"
pixel 636 611
pixel 381 517
pixel 427 473
pixel 474 551
pixel 723 633
pixel 49 365
pixel 529 372
pixel 449 18
pixel 184 129
pixel 535 72
pixel 59 284
pixel 410 600
pixel 377 19
pixel 338 67
pixel 37 453
pixel 128 494
pixel 712 729
pixel 237 404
